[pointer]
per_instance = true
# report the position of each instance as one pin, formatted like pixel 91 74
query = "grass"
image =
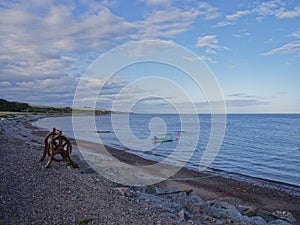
pixel 2 191
pixel 7 115
pixel 85 220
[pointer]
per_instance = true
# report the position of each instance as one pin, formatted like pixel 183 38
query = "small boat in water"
pixel 166 139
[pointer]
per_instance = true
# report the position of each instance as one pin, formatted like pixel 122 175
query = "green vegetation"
pixel 85 220
pixel 6 106
pixel 5 116
pixel 13 106
pixel 2 191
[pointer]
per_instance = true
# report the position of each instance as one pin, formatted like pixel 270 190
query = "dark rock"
pixel 150 189
pixel 279 222
pixel 88 170
pixel 250 213
pixel 267 216
pixel 271 218
pixel 297 222
pixel 285 215
pixel 256 220
pixel 182 214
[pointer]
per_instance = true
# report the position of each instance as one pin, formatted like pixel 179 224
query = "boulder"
pixel 284 215
pixel 267 216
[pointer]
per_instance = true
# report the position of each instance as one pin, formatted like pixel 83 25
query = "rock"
pixel 197 208
pixel 256 220
pixel 285 215
pixel 215 203
pixel 250 212
pixel 122 190
pixel 233 214
pixel 150 189
pixel 194 197
pixel 209 219
pixel 267 216
pixel 279 222
pixel 297 222
pixel 88 170
pixel 194 204
pixel 153 199
pixel 190 221
pixel 247 210
pixel 226 205
pixel 181 214
pixel 162 202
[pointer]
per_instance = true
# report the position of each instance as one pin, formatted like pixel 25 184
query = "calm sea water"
pixel 254 146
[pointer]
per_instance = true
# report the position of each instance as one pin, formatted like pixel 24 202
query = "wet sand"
pixel 211 186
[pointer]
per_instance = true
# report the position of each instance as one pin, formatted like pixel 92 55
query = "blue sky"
pixel 252 48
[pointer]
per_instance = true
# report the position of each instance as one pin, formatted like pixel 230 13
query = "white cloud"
pixel 276 8
pixel 268 8
pixel 295 34
pixel 203 9
pixel 44 42
pixel 54 91
pixel 157 2
pixel 41 43
pixel 237 35
pixel 166 23
pixel 25 84
pixel 224 24
pixel 200 58
pixel 292 47
pixel 231 19
pixel 237 15
pixel 5 84
pixel 283 13
pixel 34 39
pixel 210 43
pixel 241 33
pixel 148 46
pixel 241 100
pixel 208 12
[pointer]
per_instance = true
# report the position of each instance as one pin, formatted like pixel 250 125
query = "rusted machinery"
pixel 57 144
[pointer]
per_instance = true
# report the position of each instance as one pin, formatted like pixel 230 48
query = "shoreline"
pixel 261 186
pixel 133 159
pixel 290 186
pixel 212 188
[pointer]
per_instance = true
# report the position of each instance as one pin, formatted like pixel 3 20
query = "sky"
pixel 251 48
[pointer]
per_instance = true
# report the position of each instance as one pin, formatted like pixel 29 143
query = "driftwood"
pixel 176 192
pixel 56 143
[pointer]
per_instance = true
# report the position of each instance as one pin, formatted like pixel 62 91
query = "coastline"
pixel 210 188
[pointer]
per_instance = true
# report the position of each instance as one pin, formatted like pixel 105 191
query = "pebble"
pixel 63 195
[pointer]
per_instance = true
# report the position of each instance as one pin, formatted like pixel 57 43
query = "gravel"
pixel 32 194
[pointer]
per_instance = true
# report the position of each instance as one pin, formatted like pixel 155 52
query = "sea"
pixel 257 148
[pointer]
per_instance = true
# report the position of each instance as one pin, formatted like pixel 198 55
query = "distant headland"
pixel 21 107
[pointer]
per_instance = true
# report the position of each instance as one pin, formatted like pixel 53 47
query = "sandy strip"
pixel 262 195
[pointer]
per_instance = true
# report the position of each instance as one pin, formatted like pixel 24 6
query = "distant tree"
pixel 13 106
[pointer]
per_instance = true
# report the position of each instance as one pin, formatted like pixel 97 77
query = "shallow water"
pixel 263 146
